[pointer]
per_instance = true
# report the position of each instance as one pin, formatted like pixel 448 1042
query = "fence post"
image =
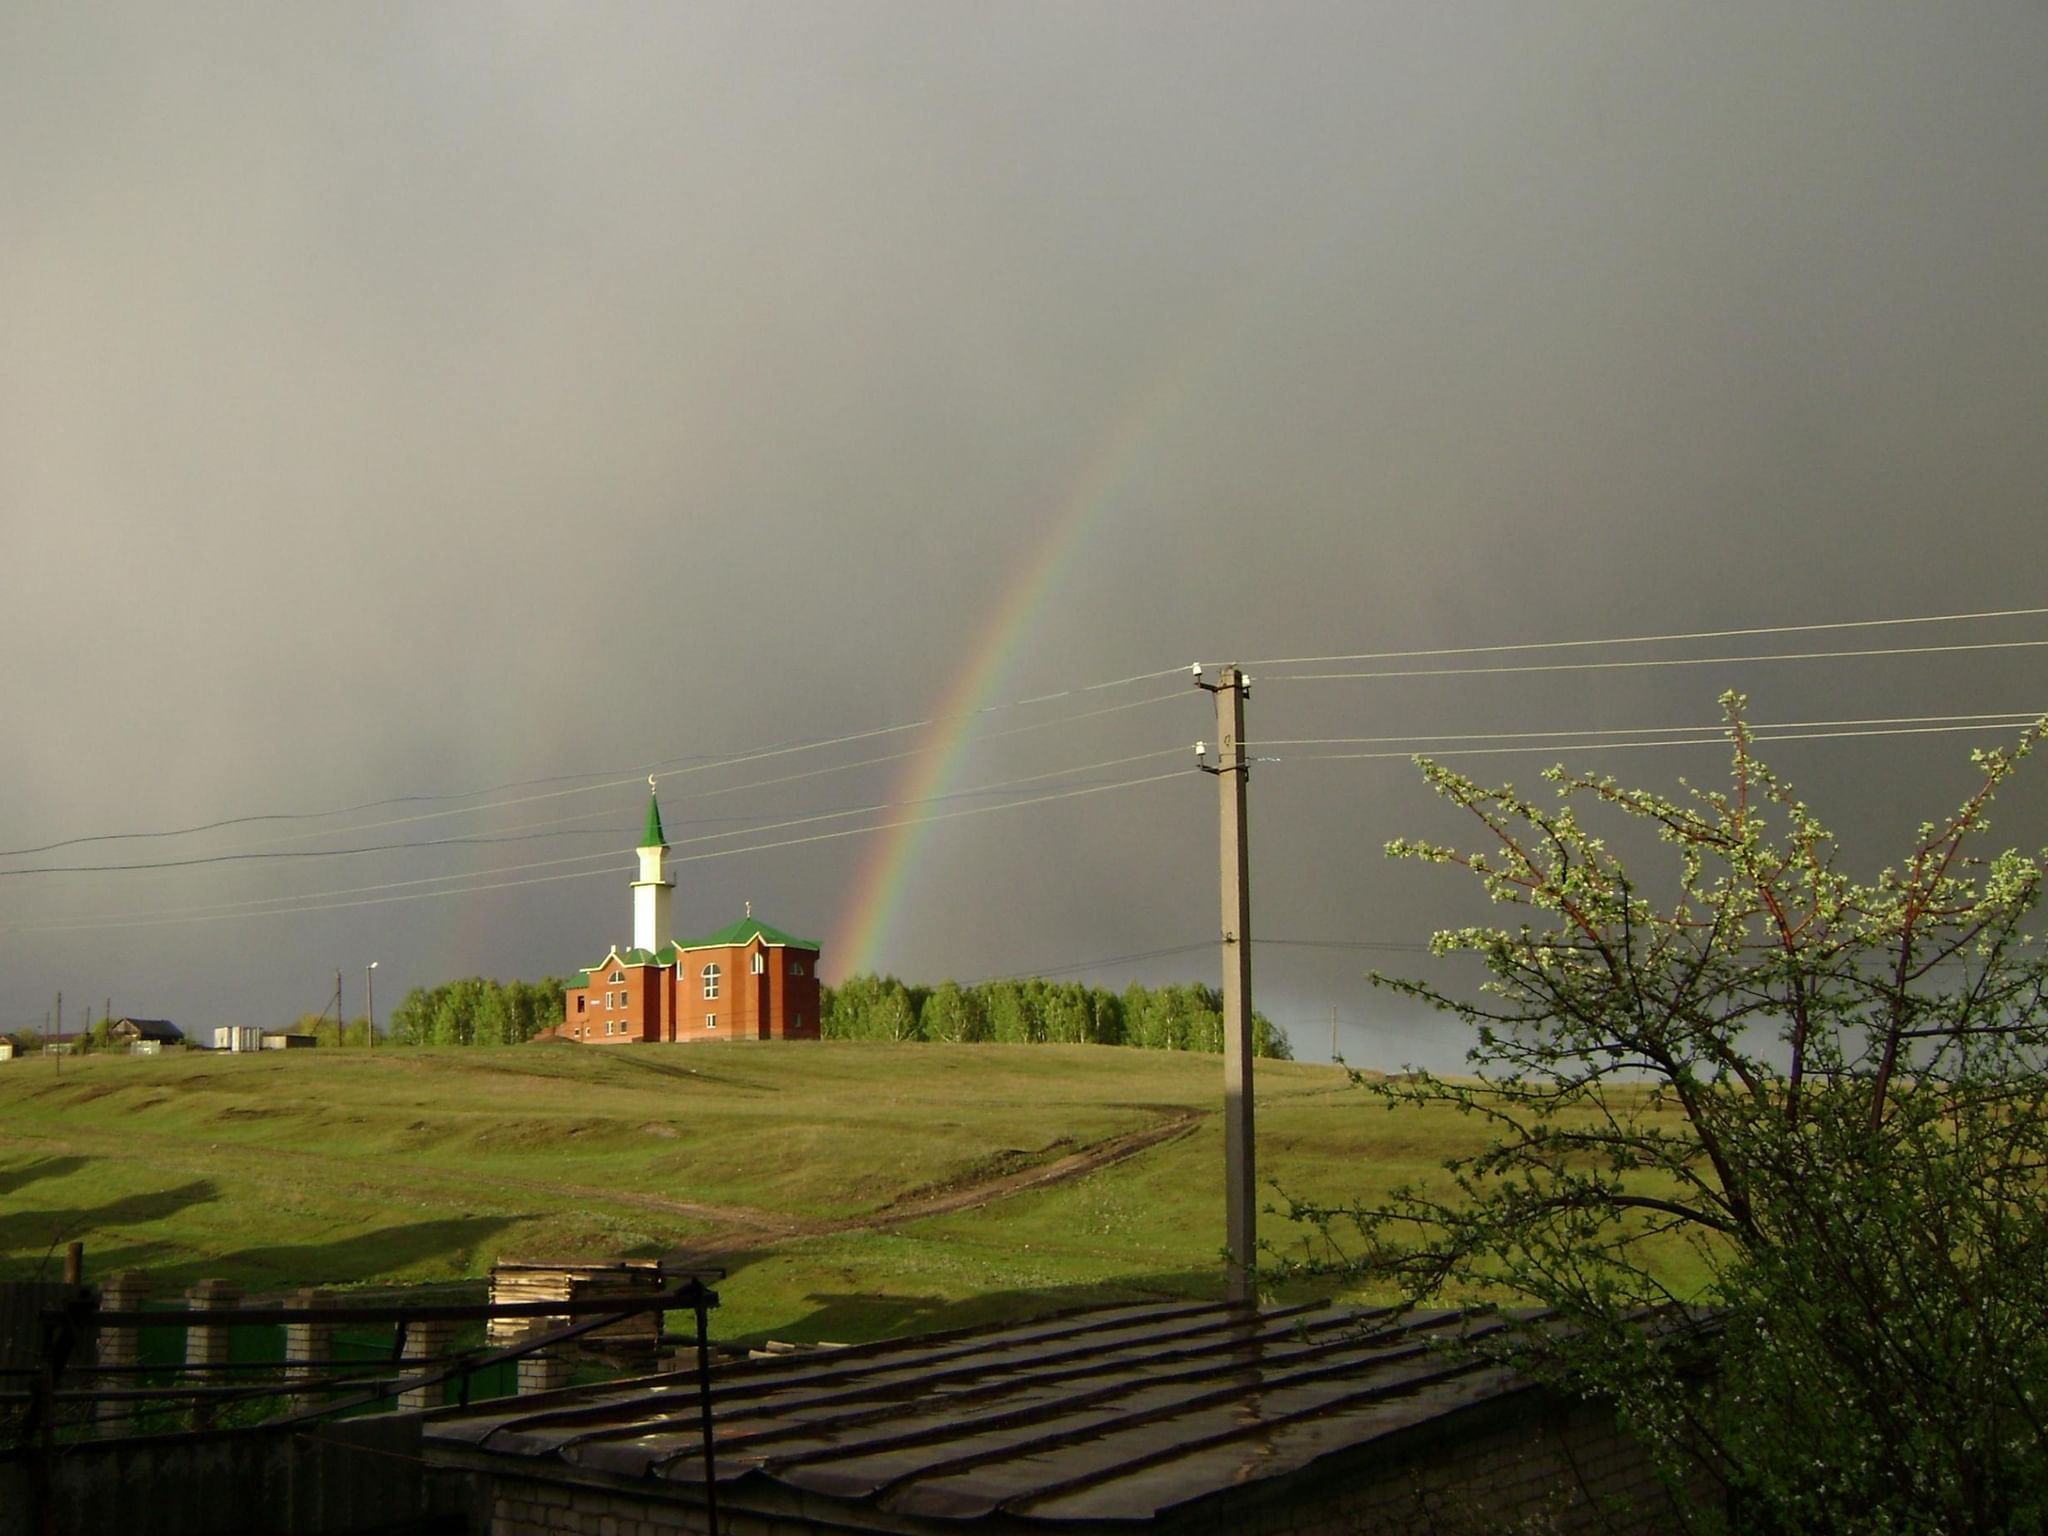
pixel 307 1346
pixel 543 1370
pixel 207 1346
pixel 423 1341
pixel 123 1291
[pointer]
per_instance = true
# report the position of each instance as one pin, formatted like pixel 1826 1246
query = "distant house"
pixel 126 1031
pixel 747 981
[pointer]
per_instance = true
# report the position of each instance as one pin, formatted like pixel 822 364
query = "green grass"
pixel 781 1162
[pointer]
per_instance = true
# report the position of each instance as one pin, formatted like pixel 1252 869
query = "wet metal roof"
pixel 1112 1414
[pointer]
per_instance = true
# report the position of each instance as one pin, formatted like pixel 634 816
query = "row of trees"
pixel 1037 1012
pixel 478 1011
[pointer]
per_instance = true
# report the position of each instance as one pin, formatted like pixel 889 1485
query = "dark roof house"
pixel 163 1031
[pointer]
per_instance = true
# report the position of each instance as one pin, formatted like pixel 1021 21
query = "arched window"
pixel 711 981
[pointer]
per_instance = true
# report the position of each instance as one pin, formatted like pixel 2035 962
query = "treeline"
pixel 1038 1012
pixel 477 1011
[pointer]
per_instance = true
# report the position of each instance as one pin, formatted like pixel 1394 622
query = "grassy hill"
pixel 850 1189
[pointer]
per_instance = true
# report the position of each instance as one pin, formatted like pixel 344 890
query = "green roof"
pixel 745 931
pixel 651 836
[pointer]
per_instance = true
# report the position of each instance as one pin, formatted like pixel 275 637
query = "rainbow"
pixel 858 944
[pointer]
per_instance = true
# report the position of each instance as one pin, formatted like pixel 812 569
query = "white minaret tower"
pixel 650 891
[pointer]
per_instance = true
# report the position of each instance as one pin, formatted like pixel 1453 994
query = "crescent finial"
pixel 650 781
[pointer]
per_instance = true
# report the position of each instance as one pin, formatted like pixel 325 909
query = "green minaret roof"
pixel 652 836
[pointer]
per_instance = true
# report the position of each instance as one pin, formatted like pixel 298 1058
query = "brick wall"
pixel 1528 1464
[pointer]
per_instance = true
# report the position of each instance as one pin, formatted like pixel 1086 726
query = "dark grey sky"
pixel 411 400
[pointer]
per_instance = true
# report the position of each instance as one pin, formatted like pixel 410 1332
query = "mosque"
pixel 747 981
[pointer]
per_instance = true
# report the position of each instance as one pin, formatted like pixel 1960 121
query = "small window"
pixel 580 1001
pixel 711 981
pixel 760 962
pixel 711 1021
pixel 799 1021
pixel 616 976
pixel 796 967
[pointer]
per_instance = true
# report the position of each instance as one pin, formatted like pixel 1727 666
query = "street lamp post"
pixel 370 1001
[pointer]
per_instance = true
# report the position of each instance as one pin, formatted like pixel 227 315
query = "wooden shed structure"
pixel 1170 1418
pixel 512 1280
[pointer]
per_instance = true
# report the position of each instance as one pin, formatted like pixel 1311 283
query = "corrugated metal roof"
pixel 1115 1413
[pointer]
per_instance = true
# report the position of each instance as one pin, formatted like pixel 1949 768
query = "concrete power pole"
pixel 1239 1173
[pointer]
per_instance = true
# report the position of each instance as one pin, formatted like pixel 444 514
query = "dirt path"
pixel 746 1227
pixel 1176 1120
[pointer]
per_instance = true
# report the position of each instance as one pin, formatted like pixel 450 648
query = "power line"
pixel 248 906
pixel 1371 944
pixel 303 853
pixel 755 824
pixel 2004 717
pixel 705 763
pixel 1082 966
pixel 1698 634
pixel 698 763
pixel 315 904
pixel 701 794
pixel 1014 730
pixel 1641 662
pixel 1605 746
pixel 316 901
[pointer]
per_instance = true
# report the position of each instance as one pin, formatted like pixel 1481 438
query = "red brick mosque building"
pixel 747 981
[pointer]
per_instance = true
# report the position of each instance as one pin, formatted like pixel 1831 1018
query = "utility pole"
pixel 1334 1057
pixel 1239 1174
pixel 340 1019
